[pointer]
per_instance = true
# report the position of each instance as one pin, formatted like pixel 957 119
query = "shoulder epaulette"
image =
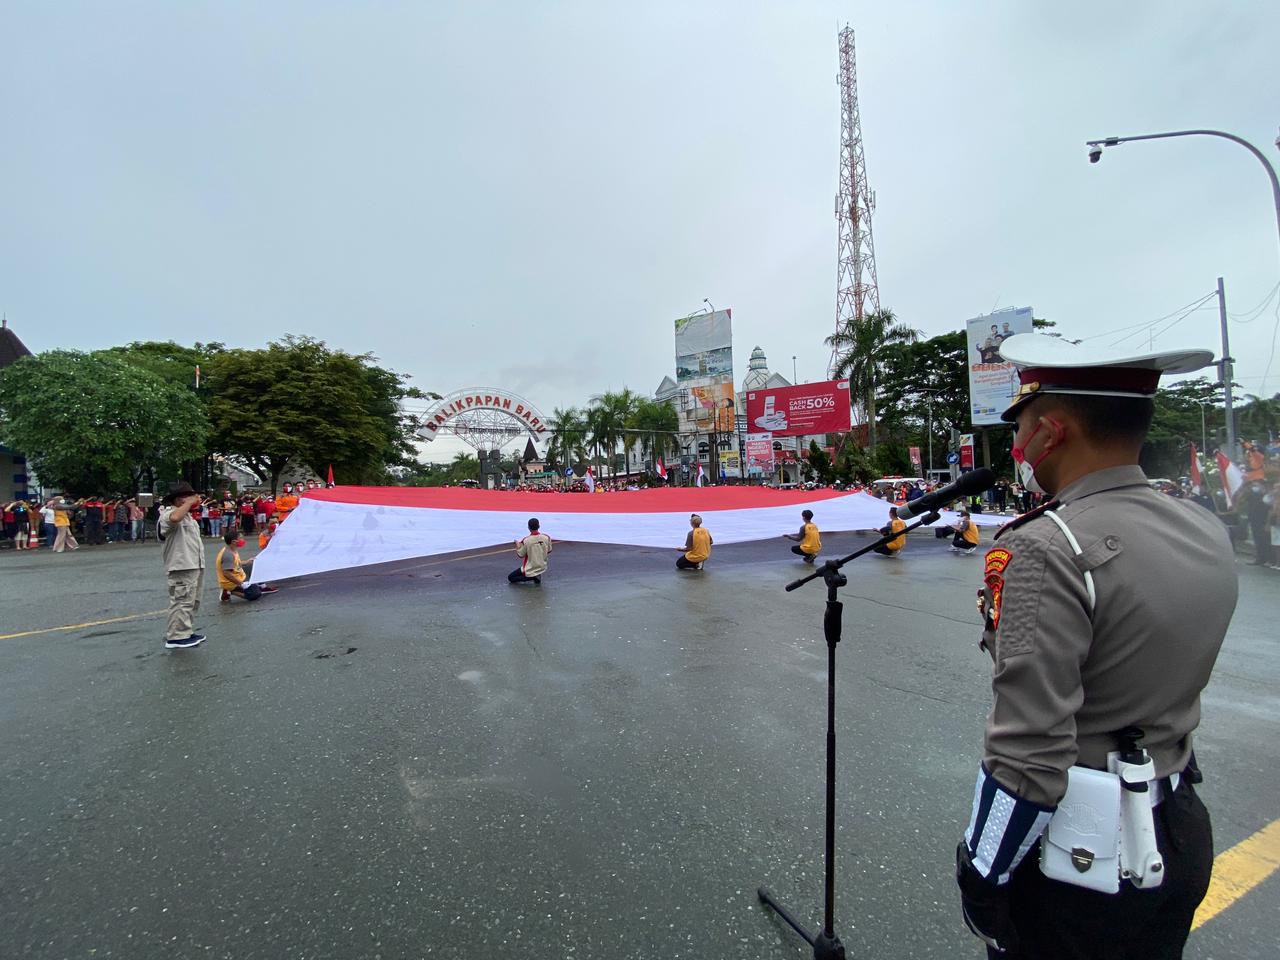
pixel 1027 517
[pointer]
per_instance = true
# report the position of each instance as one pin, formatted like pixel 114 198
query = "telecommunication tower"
pixel 857 293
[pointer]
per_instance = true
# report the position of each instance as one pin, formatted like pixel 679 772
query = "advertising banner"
pixel 914 453
pixel 711 407
pixel 730 464
pixel 759 451
pixel 704 346
pixel 966 451
pixel 992 382
pixel 803 410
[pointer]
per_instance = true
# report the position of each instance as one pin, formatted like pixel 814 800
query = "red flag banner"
pixel 1196 480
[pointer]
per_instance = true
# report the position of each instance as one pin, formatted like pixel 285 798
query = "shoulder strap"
pixel 1075 548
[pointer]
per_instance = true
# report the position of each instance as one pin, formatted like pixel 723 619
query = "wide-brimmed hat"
pixel 179 489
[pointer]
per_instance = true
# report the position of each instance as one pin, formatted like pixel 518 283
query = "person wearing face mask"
pixel 231 573
pixel 286 503
pixel 1104 610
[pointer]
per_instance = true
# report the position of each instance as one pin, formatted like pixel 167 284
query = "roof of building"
pixel 11 348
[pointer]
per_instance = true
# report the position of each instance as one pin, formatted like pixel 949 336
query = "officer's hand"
pixel 984 905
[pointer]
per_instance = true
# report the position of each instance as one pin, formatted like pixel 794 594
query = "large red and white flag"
pixel 1196 480
pixel 702 476
pixel 590 481
pixel 1232 478
pixel 345 527
pixel 660 468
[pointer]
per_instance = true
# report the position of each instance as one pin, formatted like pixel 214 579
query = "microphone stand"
pixel 826 945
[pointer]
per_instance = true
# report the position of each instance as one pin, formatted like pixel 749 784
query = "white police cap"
pixel 1054 365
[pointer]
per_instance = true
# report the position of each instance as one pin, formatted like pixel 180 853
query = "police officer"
pixel 1104 610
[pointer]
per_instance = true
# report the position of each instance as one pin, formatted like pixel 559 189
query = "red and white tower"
pixel 857 293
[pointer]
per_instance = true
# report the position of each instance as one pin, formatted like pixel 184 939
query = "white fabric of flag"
pixel 349 527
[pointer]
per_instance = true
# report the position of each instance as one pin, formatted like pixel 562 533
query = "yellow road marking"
pixel 82 626
pixel 1239 870
pixel 431 563
pixel 157 613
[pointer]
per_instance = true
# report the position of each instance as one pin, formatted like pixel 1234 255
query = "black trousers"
pixel 883 550
pixel 517 576
pixel 1058 921
pixel 1260 528
pixel 798 551
pixel 684 563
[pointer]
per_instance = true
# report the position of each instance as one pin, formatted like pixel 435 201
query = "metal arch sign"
pixel 486 399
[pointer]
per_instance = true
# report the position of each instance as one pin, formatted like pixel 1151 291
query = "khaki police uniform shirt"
pixel 1066 679
pixel 183 549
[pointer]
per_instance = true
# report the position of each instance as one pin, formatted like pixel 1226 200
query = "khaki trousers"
pixel 185 587
pixel 64 540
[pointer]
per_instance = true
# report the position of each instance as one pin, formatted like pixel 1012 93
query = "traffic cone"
pixel 34 541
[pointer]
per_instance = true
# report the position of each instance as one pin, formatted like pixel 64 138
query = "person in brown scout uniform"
pixel 1104 611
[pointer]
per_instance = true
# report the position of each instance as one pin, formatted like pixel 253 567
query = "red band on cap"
pixel 1134 380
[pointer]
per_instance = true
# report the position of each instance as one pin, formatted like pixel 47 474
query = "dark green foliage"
pixel 96 423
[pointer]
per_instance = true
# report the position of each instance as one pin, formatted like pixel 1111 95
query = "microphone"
pixel 975 481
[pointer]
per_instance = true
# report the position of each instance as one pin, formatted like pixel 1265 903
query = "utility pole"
pixel 1227 373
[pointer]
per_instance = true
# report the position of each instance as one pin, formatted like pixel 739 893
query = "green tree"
pixel 607 422
pixel 92 422
pixel 820 463
pixel 655 425
pixel 298 401
pixel 568 444
pixel 923 378
pixel 862 352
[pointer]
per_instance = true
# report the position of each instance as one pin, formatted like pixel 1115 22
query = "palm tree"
pixel 860 355
pixel 654 425
pixel 607 418
pixel 568 437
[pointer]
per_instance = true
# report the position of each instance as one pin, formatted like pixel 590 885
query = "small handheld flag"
pixel 1232 478
pixel 660 468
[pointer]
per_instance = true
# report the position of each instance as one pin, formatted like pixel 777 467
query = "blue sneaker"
pixel 192 641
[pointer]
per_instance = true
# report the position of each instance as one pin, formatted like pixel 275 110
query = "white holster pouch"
pixel 1081 845
pixel 1103 831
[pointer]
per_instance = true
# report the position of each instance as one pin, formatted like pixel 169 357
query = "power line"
pixel 1150 323
pixel 1256 311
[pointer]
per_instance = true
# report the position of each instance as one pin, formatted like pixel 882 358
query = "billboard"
pixel 992 382
pixel 759 452
pixel 704 346
pixel 803 410
pixel 730 465
pixel 711 407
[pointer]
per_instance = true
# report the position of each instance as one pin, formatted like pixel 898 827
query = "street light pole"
pixel 1095 154
pixel 793 371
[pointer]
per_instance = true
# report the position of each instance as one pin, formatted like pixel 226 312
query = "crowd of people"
pixel 64 523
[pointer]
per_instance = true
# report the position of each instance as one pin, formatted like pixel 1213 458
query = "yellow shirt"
pixel 61 518
pixel 812 542
pixel 286 503
pixel 230 573
pixel 897 543
pixel 701 545
pixel 971 534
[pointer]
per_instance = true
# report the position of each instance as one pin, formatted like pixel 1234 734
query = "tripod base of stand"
pixel 825 946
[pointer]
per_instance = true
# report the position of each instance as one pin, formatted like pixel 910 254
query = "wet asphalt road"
pixel 420 760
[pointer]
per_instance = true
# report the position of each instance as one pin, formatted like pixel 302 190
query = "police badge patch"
pixel 993 576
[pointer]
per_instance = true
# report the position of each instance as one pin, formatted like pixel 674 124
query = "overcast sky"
pixel 526 194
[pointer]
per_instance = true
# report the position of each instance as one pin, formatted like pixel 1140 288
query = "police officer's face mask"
pixel 1027 468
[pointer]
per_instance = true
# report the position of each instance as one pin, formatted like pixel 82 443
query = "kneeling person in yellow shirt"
pixel 231 574
pixel 810 542
pixel 697 546
pixel 895 525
